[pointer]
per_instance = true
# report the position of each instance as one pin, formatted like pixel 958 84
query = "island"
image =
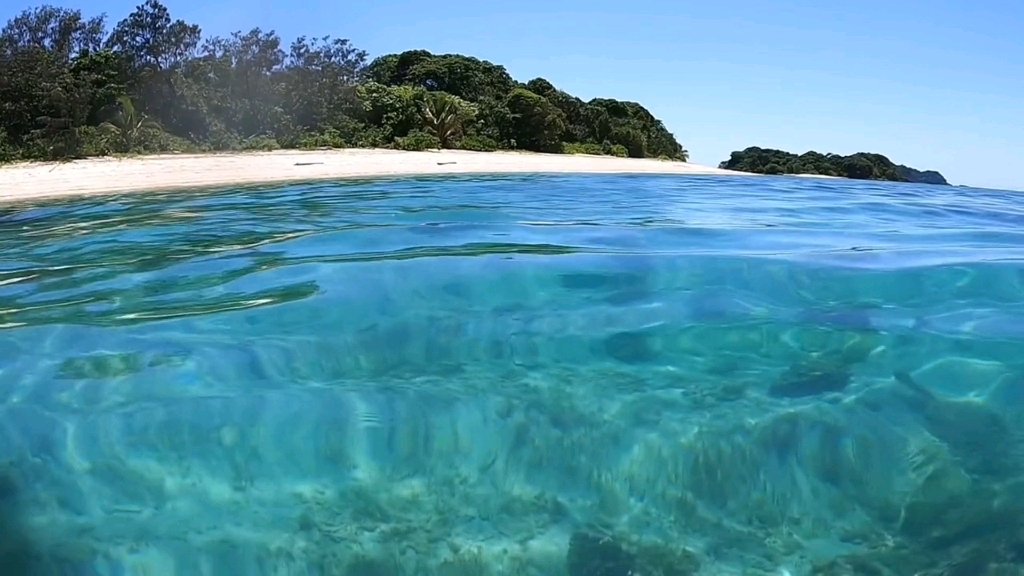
pixel 69 88
pixel 859 166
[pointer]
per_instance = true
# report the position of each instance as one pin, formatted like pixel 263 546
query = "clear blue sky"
pixel 934 84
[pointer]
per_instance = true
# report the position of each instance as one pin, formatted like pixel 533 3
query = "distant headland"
pixel 859 166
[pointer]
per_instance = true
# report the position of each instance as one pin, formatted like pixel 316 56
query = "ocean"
pixel 584 375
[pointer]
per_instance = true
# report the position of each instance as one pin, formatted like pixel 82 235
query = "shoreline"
pixel 26 182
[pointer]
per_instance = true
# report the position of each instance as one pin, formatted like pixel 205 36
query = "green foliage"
pixel 165 142
pixel 56 140
pixel 861 166
pixel 70 88
pixel 605 149
pixel 127 125
pixel 632 139
pixel 920 176
pixel 463 76
pixel 395 109
pixel 582 148
pixel 329 137
pixel 632 126
pixel 8 153
pixel 478 143
pixel 95 141
pixel 445 115
pixel 264 143
pixel 417 140
pixel 533 123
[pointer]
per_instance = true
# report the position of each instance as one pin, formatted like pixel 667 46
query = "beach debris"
pixel 446 163
pixel 307 163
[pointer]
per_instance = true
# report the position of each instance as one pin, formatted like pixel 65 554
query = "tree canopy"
pixel 71 87
pixel 860 166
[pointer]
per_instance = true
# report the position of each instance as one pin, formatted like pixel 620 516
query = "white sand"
pixel 31 181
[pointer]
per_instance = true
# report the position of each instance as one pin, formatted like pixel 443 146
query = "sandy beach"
pixel 33 181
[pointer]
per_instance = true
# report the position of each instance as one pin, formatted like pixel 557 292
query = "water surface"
pixel 514 375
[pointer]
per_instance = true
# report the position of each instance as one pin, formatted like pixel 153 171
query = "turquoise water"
pixel 569 376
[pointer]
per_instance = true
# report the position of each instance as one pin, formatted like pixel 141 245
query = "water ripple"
pixel 138 257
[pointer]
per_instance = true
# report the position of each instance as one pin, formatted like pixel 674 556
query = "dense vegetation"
pixel 861 166
pixel 909 174
pixel 70 88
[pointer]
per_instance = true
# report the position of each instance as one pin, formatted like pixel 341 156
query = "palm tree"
pixel 128 124
pixel 444 114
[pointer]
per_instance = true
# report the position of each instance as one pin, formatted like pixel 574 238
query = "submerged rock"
pixel 104 365
pixel 363 565
pixel 976 434
pixel 593 555
pixel 630 347
pixel 658 560
pixel 896 561
pixel 809 378
pixel 16 553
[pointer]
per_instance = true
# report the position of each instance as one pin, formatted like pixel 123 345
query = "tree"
pixel 631 138
pixel 534 123
pixel 150 38
pixel 61 75
pixel 60 32
pixel 395 109
pixel 632 126
pixel 127 124
pixel 319 79
pixel 240 72
pixel 444 115
pixel 157 50
pixel 574 110
pixel 54 78
pixel 464 76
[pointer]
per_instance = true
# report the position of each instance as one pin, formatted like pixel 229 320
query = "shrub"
pixel 326 138
pixel 582 148
pixel 374 137
pixel 632 139
pixel 167 142
pixel 444 116
pixel 619 150
pixel 478 143
pixel 534 123
pixel 417 140
pixel 8 153
pixel 265 143
pixel 94 141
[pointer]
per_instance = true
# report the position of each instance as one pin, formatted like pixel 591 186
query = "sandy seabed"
pixel 31 181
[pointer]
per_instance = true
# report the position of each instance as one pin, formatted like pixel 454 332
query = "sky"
pixel 933 85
